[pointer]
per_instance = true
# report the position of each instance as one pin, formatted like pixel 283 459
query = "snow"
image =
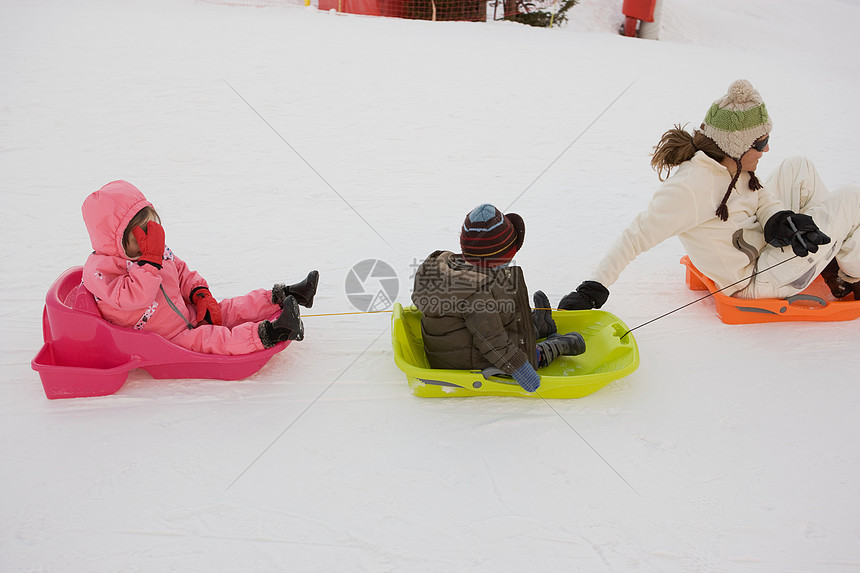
pixel 276 140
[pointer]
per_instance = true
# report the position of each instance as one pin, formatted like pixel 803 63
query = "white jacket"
pixel 685 205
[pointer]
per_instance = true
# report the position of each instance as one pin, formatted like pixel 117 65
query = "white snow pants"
pixel 797 184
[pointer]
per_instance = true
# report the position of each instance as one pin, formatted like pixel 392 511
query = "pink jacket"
pixel 129 294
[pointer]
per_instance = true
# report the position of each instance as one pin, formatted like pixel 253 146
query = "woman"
pixel 729 224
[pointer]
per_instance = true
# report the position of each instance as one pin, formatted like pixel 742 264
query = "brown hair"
pixel 146 214
pixel 678 145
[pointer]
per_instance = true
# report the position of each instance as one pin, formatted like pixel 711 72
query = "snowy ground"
pixel 732 448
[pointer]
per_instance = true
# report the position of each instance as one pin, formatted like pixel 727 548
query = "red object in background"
pixel 365 7
pixel 392 8
pixel 639 9
pixel 636 10
pixel 456 10
pixel 630 24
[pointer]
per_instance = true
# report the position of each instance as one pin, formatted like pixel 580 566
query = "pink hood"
pixel 107 213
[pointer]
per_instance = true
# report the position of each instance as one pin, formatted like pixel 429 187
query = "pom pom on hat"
pixel 489 237
pixel 737 120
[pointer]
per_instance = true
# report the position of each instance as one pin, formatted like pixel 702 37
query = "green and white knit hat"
pixel 737 119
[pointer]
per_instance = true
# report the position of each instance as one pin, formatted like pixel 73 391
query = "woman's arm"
pixel 671 211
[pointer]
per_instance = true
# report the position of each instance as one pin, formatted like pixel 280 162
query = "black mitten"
pixel 588 295
pixel 787 228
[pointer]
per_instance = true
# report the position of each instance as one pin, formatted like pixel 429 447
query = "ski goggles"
pixel 761 144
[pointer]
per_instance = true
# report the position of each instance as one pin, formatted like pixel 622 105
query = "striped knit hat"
pixel 737 119
pixel 489 237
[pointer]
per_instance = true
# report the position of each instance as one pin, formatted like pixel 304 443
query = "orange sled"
pixel 815 303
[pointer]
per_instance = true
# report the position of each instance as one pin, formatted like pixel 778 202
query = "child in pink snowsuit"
pixel 139 282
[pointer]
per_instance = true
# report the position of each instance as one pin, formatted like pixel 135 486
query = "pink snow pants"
pixel 797 184
pixel 240 316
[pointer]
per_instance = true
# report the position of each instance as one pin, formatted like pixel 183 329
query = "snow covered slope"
pixel 277 140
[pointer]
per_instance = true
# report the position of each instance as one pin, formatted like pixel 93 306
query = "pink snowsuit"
pixel 144 297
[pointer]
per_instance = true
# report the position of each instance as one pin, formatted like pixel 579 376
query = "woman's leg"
pixel 797 184
pixel 838 216
pixel 841 217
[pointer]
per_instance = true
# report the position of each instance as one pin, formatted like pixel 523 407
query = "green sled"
pixel 607 357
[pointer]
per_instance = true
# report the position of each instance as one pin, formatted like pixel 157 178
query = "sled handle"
pixel 792 299
pixel 494 374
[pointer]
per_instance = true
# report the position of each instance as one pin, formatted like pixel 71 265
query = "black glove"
pixel 588 295
pixel 795 229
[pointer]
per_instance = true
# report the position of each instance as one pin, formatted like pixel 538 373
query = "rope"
pixel 345 313
pixel 710 294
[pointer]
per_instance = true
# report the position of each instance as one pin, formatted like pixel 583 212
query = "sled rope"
pixel 706 296
pixel 346 313
pixel 710 294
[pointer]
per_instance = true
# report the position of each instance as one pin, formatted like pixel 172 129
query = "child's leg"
pixel 241 339
pixel 240 333
pixel 253 307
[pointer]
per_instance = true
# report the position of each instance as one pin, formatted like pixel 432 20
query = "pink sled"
pixel 85 355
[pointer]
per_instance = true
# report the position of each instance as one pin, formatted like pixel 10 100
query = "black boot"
pixel 542 316
pixel 570 344
pixel 855 288
pixel 303 291
pixel 838 287
pixel 288 326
